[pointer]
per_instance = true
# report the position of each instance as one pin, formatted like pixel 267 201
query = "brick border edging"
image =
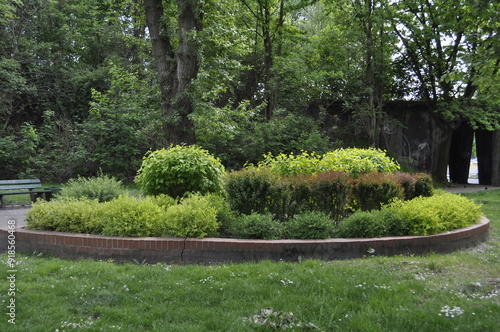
pixel 220 250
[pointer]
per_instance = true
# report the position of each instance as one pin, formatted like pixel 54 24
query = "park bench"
pixel 33 187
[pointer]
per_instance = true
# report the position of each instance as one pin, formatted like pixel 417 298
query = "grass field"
pixel 452 292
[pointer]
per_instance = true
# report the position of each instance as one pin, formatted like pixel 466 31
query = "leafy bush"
pixel 358 161
pixel 224 215
pixel 373 190
pixel 251 190
pixel 438 213
pixel 179 170
pixel 102 188
pixel 423 185
pixel 193 217
pixel 129 216
pixel 68 215
pixel 363 224
pixel 414 185
pixel 375 223
pixel 420 216
pixel 292 164
pixel 164 201
pixel 353 161
pixel 256 226
pixel 331 192
pixel 310 225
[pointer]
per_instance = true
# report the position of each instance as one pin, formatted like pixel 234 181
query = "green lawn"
pixel 458 291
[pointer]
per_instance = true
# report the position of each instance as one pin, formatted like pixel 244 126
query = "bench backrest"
pixel 20 184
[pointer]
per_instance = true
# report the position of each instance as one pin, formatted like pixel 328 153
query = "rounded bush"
pixel 358 161
pixel 310 225
pixel 256 226
pixel 179 170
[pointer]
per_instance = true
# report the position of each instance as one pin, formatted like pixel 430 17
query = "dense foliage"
pixel 354 161
pixel 92 85
pixel 179 170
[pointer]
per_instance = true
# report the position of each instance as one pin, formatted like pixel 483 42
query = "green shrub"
pixel 423 185
pixel 193 217
pixel 179 170
pixel 375 223
pixel 310 225
pixel 373 190
pixel 74 216
pixel 414 185
pixel 224 215
pixel 163 201
pixel 363 224
pixel 256 226
pixel 358 161
pixel 102 188
pixel 439 213
pixel 331 192
pixel 292 164
pixel 130 216
pixel 251 190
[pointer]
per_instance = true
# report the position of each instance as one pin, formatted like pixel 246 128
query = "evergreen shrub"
pixel 331 193
pixel 256 226
pixel 180 170
pixel 414 185
pixel 373 190
pixel 194 216
pixel 251 190
pixel 310 225
pixel 130 216
pixel 420 216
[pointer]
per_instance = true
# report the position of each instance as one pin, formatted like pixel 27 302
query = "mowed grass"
pixel 458 291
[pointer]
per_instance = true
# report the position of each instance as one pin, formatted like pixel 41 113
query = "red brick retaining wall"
pixel 217 250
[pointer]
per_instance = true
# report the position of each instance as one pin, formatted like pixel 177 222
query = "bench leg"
pixel 2 202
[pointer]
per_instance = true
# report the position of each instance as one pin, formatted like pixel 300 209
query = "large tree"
pixel 175 49
pixel 443 44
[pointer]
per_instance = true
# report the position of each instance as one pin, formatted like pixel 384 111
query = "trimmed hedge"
pixel 261 190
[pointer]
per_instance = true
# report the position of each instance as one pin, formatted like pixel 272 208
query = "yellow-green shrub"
pixel 358 161
pixel 193 217
pixel 438 213
pixel 68 215
pixel 353 161
pixel 130 216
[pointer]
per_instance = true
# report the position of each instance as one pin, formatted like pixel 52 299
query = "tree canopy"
pixel 102 82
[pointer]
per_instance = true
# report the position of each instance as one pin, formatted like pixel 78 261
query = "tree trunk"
pixel 176 70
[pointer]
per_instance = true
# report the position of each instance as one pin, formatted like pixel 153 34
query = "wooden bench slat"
pixel 21 186
pixel 23 181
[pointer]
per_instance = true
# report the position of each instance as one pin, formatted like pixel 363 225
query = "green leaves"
pixel 179 170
